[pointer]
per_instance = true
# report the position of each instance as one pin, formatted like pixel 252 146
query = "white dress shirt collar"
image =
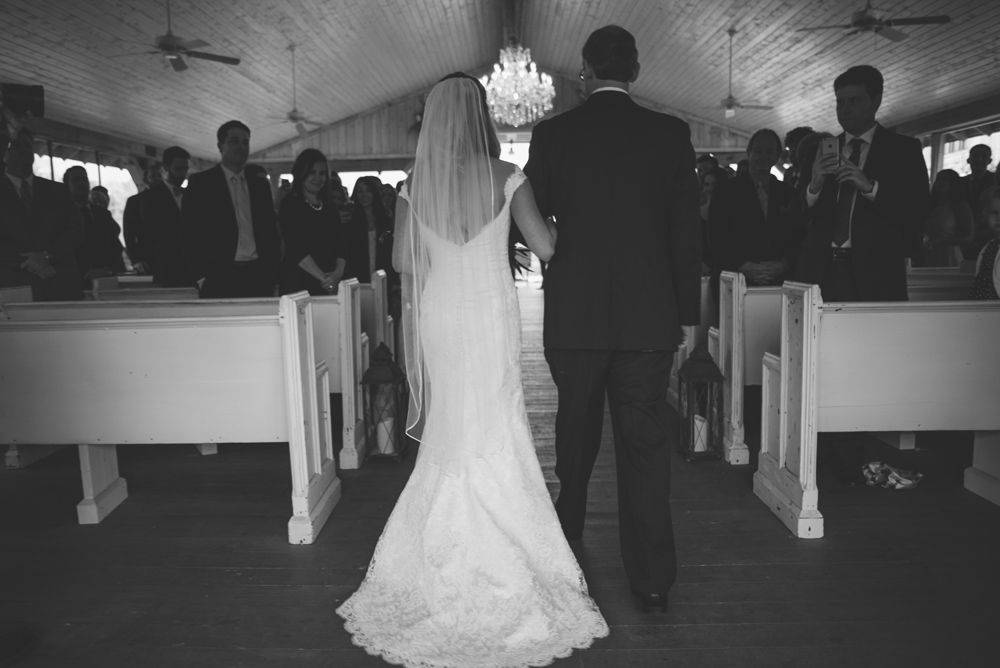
pixel 614 88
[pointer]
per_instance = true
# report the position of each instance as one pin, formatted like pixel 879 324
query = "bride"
pixel 472 568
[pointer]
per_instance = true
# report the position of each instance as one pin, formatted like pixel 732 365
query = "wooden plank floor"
pixel 194 568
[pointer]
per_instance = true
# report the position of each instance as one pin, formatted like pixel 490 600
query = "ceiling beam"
pixel 975 113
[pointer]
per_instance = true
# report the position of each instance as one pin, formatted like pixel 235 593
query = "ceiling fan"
pixel 296 117
pixel 174 48
pixel 865 20
pixel 730 103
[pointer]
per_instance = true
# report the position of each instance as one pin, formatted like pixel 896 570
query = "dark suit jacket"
pixel 884 231
pixel 134 228
pixel 975 189
pixel 620 181
pixel 101 247
pixel 740 233
pixel 54 226
pixel 211 232
pixel 355 239
pixel 161 222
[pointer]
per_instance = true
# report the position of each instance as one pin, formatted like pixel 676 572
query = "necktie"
pixel 845 198
pixel 26 196
pixel 246 248
pixel 762 197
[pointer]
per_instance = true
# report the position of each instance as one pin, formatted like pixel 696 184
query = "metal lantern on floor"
pixel 699 402
pixel 385 408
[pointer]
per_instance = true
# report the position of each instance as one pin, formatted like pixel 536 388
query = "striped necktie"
pixel 845 199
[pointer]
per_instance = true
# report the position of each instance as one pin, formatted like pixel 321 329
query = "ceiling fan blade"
pixel 191 44
pixel 177 63
pixel 760 107
pixel 839 27
pixel 917 21
pixel 301 129
pixel 892 34
pixel 213 57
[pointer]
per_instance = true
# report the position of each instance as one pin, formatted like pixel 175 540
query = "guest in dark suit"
pixel 161 214
pixel 40 229
pixel 313 258
pixel 623 282
pixel 864 208
pixel 101 253
pixel 863 211
pixel 137 242
pixel 974 185
pixel 229 224
pixel 748 220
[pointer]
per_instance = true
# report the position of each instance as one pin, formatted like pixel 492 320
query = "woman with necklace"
pixel 370 233
pixel 313 259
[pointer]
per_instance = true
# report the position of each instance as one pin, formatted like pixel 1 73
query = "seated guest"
pixel 949 222
pixel 137 246
pixel 748 218
pixel 368 235
pixel 310 227
pixel 710 180
pixel 100 254
pixel 160 213
pixel 40 228
pixel 986 285
pixel 229 225
pixel 792 139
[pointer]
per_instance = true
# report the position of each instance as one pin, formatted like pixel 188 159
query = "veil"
pixel 451 201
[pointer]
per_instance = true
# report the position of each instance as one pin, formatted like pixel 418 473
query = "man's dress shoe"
pixel 652 603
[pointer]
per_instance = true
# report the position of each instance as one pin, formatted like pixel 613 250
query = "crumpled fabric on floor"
pixel 884 475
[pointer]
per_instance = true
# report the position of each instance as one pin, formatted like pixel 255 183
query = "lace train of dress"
pixel 472 569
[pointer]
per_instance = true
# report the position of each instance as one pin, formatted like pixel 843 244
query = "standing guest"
pixel 792 139
pixel 40 228
pixel 949 222
pixel 160 214
pixel 229 224
pixel 742 167
pixel 99 197
pixel 100 254
pixel 862 212
pixel 310 227
pixel 369 234
pixel 137 243
pixel 623 282
pixel 389 199
pixel 705 163
pixel 975 184
pixel 748 219
pixel 710 181
pixel 986 285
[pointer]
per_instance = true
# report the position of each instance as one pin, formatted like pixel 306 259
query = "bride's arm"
pixel 401 238
pixel 539 233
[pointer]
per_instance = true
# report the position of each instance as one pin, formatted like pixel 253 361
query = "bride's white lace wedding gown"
pixel 472 569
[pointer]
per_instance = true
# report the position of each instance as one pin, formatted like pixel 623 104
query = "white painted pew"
pixel 873 367
pixel 181 379
pixel 375 319
pixel 121 288
pixel 750 326
pixel 337 338
pixel 709 318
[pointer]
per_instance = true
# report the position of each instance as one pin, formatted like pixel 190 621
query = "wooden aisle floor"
pixel 194 569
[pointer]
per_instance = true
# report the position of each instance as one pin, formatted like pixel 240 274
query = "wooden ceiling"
pixel 357 55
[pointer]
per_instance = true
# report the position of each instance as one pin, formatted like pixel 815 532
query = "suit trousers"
pixel 635 384
pixel 238 280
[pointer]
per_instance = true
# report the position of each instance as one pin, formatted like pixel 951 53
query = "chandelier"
pixel 517 93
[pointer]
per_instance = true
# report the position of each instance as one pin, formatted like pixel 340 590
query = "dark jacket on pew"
pixel 55 226
pixel 101 245
pixel 134 230
pixel 884 231
pixel 161 219
pixel 211 231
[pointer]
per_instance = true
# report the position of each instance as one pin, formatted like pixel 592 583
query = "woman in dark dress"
pixel 369 238
pixel 314 255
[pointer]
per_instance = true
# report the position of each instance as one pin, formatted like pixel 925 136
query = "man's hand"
pixel 38 264
pixel 200 282
pixel 687 334
pixel 851 173
pixel 141 267
pixel 823 166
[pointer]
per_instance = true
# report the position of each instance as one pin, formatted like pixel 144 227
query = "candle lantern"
pixel 385 409
pixel 699 400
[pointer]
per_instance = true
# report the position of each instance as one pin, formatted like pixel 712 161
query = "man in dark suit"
pixel 137 243
pixel 748 220
pixel 100 254
pixel 975 184
pixel 620 181
pixel 40 229
pixel 161 213
pixel 229 225
pixel 864 207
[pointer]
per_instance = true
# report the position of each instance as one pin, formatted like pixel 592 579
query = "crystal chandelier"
pixel 517 93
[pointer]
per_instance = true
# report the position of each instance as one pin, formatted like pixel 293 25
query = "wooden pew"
pixel 15 295
pixel 180 379
pixel 872 367
pixel 337 334
pixel 375 319
pixel 750 326
pixel 709 318
pixel 112 288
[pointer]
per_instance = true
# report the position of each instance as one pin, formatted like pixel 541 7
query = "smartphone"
pixel 830 146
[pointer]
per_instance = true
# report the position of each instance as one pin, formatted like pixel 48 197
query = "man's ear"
pixel 635 74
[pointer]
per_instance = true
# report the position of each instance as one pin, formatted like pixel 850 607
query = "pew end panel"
pixel 732 291
pixel 786 477
pixel 983 477
pixel 708 317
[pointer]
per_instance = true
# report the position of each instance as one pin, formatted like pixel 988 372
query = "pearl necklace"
pixel 314 206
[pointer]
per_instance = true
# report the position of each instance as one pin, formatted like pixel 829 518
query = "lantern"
pixel 385 410
pixel 699 404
